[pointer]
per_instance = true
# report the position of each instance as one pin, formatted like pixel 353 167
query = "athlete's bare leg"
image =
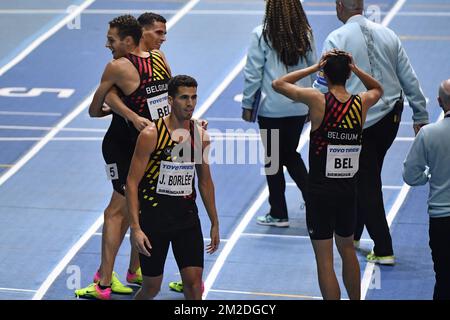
pixel 329 286
pixel 134 259
pixel 350 266
pixel 112 235
pixel 192 282
pixel 150 288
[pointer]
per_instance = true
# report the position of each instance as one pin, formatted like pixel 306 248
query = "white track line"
pixel 87 235
pixel 225 119
pixel 404 139
pixel 281 236
pixel 22 55
pixel 292 184
pixel 17 290
pixel 99 234
pixel 37 114
pixel 37 128
pixel 268 294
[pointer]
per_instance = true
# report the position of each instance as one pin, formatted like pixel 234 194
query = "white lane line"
pixel 292 184
pixel 37 128
pixel 404 139
pixel 22 55
pixel 99 234
pixel 269 294
pixel 264 194
pixel 32 114
pixel 221 88
pixel 392 187
pixel 88 234
pixel 225 119
pixel 281 236
pixel 181 13
pixel 17 290
pixel 368 272
pixel 391 14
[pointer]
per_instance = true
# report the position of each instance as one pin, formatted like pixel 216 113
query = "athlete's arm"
pixel 108 80
pixel 113 100
pixel 145 145
pixel 206 188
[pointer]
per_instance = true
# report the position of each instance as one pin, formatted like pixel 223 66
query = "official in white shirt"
pixel 377 50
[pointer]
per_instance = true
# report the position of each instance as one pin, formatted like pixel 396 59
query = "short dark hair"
pixel 127 25
pixel 149 18
pixel 337 69
pixel 180 81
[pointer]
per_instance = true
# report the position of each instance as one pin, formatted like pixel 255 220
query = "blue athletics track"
pixel 53 186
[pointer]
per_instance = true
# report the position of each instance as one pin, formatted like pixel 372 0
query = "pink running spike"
pixel 97 277
pixel 103 294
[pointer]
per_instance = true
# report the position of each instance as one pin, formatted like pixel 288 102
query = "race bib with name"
pixel 342 161
pixel 175 179
pixel 158 106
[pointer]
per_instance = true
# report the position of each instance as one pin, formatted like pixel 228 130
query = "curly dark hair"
pixel 287 28
pixel 127 25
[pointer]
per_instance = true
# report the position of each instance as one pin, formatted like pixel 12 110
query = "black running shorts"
pixel 117 155
pixel 187 247
pixel 327 214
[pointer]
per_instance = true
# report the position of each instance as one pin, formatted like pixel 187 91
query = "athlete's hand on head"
pixel 140 123
pixel 215 240
pixel 324 58
pixel 351 62
pixel 141 242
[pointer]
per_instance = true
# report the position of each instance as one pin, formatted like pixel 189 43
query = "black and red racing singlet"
pixel 150 99
pixel 335 146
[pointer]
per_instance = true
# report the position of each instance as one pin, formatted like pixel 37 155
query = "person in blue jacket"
pixel 428 161
pixel 282 44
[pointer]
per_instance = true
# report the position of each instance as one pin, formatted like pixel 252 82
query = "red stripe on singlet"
pixel 330 112
pixel 345 110
pixel 144 64
pixel 138 62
